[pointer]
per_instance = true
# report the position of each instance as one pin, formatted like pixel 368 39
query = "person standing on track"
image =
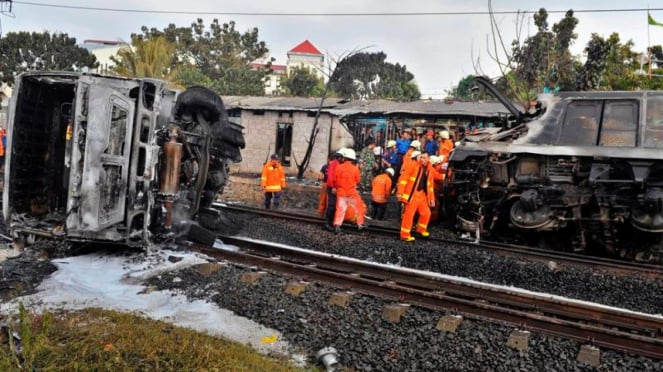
pixel 415 190
pixel 346 179
pixel 272 181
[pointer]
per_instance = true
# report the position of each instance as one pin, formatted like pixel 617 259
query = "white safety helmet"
pixel 349 154
pixel 444 134
pixel 415 154
pixel 391 143
pixel 416 144
pixel 390 171
pixel 435 159
pixel 340 151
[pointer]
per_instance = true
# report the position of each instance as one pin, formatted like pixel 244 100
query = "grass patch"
pixel 97 339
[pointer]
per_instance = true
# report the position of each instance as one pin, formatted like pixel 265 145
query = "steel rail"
pixel 533 313
pixel 648 270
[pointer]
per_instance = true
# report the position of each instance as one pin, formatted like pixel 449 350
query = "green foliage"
pixel 544 60
pixel 369 76
pixel 464 90
pixel 152 58
pixel 219 52
pixel 96 339
pixel 187 76
pixel 302 82
pixel 27 51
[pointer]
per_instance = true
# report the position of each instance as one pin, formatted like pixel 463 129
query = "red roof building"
pixel 305 47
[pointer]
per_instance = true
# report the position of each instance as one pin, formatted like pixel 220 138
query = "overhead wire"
pixel 323 14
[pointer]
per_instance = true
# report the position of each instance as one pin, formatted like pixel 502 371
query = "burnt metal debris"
pixel 115 159
pixel 580 169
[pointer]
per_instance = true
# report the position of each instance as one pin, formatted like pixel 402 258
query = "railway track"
pixel 613 265
pixel 600 325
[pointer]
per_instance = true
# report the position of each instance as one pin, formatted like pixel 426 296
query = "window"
pixel 284 142
pixel 654 123
pixel 619 126
pixel 611 123
pixel 581 123
pixel 117 131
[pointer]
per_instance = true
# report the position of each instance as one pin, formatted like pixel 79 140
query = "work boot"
pixel 329 227
pixel 337 230
pixel 424 234
pixel 361 227
pixel 408 239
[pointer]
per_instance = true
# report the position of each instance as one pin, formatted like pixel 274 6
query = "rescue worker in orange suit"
pixel 407 158
pixel 446 145
pixel 331 185
pixel 438 178
pixel 272 181
pixel 346 179
pixel 380 190
pixel 322 199
pixel 415 190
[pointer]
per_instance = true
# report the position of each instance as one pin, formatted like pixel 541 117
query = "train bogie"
pixel 585 170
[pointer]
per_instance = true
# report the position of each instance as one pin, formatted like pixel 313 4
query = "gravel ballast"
pixel 634 293
pixel 365 341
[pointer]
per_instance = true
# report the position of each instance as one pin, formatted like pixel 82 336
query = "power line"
pixel 288 14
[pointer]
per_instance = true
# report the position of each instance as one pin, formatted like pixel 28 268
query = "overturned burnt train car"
pixel 114 159
pixel 582 171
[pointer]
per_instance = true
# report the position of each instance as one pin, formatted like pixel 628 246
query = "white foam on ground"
pixel 97 280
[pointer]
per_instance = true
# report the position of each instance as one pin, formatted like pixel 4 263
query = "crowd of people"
pixel 410 170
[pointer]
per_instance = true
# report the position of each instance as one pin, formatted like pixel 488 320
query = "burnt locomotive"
pixel 114 159
pixel 584 170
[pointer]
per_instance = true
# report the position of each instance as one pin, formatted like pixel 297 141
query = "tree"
pixel 464 90
pixel 25 51
pixel 332 66
pixel 302 82
pixel 544 61
pixel 590 74
pixel 369 76
pixel 150 58
pixel 221 53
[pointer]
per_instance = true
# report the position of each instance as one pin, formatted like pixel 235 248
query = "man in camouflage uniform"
pixel 367 165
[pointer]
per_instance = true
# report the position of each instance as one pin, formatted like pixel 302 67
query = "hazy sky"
pixel 438 49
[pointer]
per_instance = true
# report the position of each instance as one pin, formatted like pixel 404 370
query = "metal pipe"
pixel 170 174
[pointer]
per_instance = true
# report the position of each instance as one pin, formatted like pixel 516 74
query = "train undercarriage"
pixel 599 205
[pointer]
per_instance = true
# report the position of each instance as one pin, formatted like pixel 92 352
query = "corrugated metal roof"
pixel 341 107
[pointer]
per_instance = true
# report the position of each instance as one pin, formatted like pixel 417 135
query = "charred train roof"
pixel 627 124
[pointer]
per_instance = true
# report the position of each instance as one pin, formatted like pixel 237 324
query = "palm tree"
pixel 146 58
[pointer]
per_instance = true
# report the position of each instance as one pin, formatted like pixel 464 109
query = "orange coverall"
pixel 416 201
pixel 407 159
pixel 438 179
pixel 273 177
pixel 380 188
pixel 347 177
pixel 445 149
